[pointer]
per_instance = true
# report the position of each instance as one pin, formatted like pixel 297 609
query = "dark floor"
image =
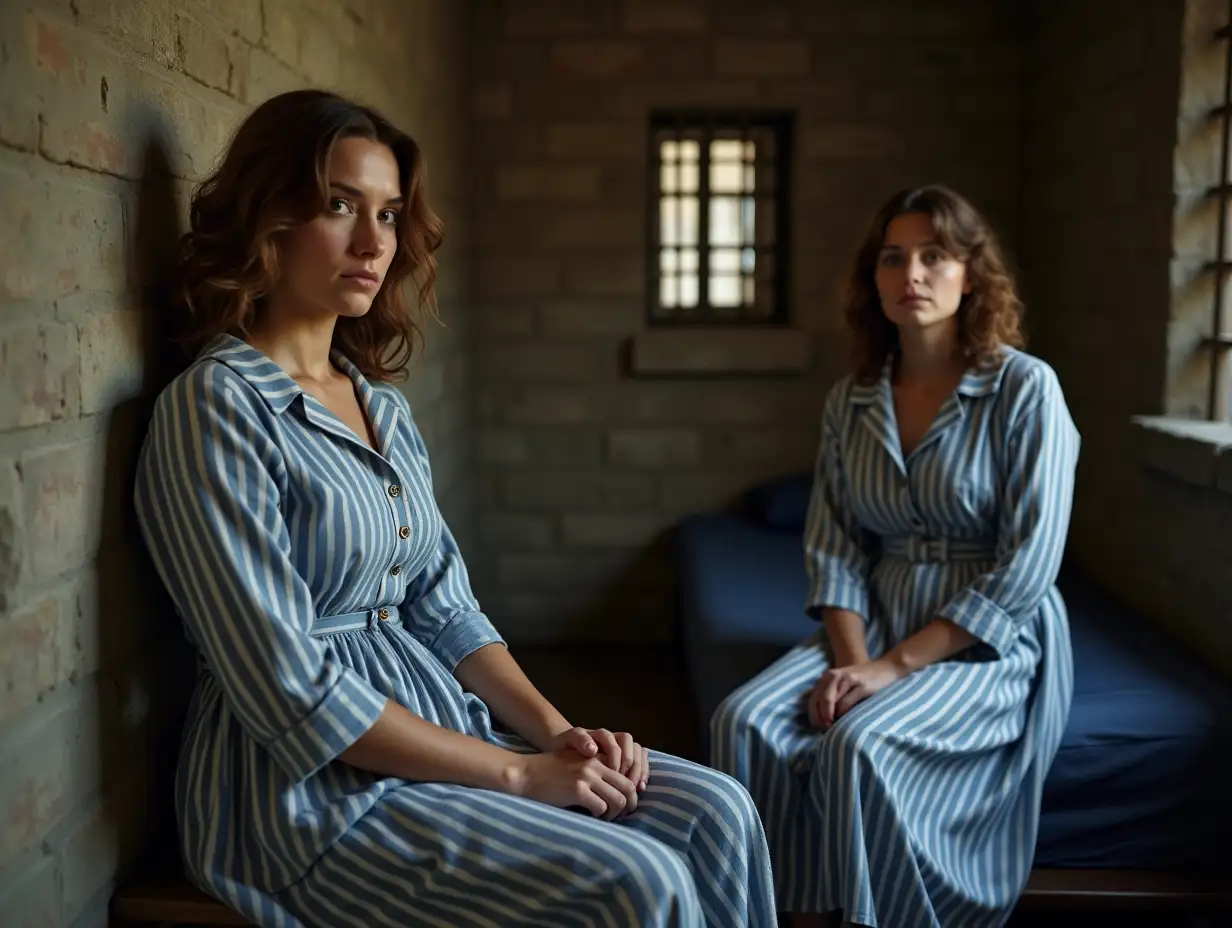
pixel 644 691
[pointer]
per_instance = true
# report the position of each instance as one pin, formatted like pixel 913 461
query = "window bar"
pixel 678 247
pixel 1220 399
pixel 748 277
pixel 703 220
pixel 654 207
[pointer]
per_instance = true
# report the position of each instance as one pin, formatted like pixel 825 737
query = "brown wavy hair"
pixel 989 317
pixel 275 176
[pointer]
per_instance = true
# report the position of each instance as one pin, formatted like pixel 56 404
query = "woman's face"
pixel 336 262
pixel 919 283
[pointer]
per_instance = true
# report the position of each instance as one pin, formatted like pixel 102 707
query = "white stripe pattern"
pixel 263 512
pixel 920 806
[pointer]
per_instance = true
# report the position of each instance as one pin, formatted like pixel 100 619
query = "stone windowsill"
pixel 716 352
pixel 1195 452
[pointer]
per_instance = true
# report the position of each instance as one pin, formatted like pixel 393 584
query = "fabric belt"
pixel 916 549
pixel 354 621
pixel 336 624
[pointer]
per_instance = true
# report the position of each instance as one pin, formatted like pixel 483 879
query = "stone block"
pixel 563 447
pixel 617 227
pixel 516 531
pixel 511 274
pixel 502 319
pixel 29 654
pixel 611 529
pixel 206 54
pixel 243 19
pixel 544 406
pixel 761 57
pixel 112 369
pixel 591 317
pixel 492 102
pixel 783 448
pixel 39 380
pixel 596 141
pixel 544 362
pixel 589 489
pixel 765 350
pixel 613 273
pixel 657 448
pixel 597 58
pixel 64 233
pixel 268 76
pixel 501 447
pixel 49 763
pixel 548 183
pixel 30 897
pixel 666 16
pixel 63 505
pixel 147 27
pixel 559 17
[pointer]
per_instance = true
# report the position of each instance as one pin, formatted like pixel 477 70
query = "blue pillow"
pixel 781 503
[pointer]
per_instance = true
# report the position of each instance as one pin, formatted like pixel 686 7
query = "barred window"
pixel 719 224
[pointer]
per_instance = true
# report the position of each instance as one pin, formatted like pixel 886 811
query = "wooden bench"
pixel 1124 889
pixel 169 899
pixel 154 900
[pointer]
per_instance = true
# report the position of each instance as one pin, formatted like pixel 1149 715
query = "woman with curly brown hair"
pixel 898 755
pixel 340 766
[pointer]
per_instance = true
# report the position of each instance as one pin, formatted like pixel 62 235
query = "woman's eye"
pixel 389 216
pixel 337 205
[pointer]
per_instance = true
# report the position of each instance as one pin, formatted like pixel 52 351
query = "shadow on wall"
pixel 147 667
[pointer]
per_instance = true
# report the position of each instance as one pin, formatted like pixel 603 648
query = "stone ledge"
pixel 716 352
pixel 1195 452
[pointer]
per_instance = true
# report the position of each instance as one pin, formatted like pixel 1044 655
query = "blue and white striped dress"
pixel 919 806
pixel 266 517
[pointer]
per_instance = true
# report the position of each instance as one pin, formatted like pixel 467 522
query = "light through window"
pixel 719 230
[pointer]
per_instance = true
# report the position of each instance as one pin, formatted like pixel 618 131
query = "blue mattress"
pixel 1142 776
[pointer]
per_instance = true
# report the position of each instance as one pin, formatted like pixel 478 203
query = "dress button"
pixel 396 569
pixel 395 490
pixel 383 615
pixel 404 532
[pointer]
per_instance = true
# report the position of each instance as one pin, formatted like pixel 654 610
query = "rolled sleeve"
pixel 1038 477
pixel 837 547
pixel 462 636
pixel 349 708
pixel 208 504
pixel 839 587
pixel 983 618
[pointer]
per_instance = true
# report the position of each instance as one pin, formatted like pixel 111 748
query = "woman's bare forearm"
pixel 492 674
pixel 936 641
pixel 845 630
pixel 401 744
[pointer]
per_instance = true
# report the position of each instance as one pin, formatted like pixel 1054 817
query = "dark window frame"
pixel 709 121
pixel 1219 342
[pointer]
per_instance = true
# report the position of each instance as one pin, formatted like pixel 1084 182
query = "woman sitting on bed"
pixel 898 755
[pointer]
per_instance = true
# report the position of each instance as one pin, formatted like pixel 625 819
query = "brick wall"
pixel 97 99
pixel 584 471
pixel 1114 232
